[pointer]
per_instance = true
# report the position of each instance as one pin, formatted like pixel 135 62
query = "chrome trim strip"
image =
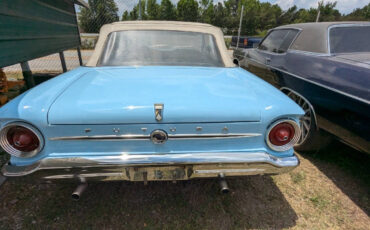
pixel 212 136
pixel 308 53
pixel 102 137
pixel 147 137
pixel 315 83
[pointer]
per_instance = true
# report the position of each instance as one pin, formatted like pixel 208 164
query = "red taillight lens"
pixel 22 139
pixel 281 134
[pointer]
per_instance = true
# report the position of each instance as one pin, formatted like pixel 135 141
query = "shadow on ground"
pixel 255 202
pixel 353 176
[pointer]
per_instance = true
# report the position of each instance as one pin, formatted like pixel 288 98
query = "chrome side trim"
pixel 308 53
pixel 102 137
pixel 212 136
pixel 315 83
pixel 147 137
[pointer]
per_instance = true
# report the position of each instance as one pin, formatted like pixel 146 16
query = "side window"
pixel 278 41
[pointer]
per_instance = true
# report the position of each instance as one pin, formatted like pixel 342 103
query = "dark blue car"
pixel 245 42
pixel 325 68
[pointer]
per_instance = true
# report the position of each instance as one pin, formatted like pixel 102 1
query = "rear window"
pixel 278 41
pixel 160 47
pixel 349 39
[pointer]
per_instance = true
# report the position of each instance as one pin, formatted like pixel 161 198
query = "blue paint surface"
pixel 107 98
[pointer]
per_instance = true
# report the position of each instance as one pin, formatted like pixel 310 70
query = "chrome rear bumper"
pixel 154 167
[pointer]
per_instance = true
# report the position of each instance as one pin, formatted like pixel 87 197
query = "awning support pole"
pixel 63 61
pixel 27 75
pixel 79 56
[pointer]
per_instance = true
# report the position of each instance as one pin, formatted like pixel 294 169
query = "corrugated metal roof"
pixel 81 3
pixel 36 28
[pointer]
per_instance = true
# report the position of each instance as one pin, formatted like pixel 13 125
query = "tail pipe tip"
pixel 224 188
pixel 76 195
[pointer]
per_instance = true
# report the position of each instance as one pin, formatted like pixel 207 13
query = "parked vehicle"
pixel 325 68
pixel 173 107
pixel 245 42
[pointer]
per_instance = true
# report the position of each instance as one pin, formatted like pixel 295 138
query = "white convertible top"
pixel 161 25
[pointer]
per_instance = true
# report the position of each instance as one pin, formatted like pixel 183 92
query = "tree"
pixel 167 10
pixel 206 11
pixel 125 16
pixel 359 14
pixel 268 16
pixel 328 12
pixel 187 10
pixel 219 15
pixel 258 17
pixel 152 10
pixel 100 12
pixel 135 12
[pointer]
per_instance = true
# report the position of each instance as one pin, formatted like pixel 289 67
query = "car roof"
pixel 314 36
pixel 161 25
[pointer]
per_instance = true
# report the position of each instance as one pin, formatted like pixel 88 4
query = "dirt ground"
pixel 329 190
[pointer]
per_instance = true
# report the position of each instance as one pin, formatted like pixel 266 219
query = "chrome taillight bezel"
pixel 7 147
pixel 291 143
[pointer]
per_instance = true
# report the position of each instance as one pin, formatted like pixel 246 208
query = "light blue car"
pixel 156 101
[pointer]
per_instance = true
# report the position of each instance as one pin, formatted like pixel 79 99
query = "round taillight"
pixel 21 139
pixel 283 135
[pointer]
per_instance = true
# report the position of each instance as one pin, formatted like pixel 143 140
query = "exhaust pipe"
pixel 78 192
pixel 224 188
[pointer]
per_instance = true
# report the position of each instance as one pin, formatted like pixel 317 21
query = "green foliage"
pixel 152 10
pixel 125 16
pixel 258 17
pixel 187 10
pixel 359 14
pixel 99 13
pixel 167 10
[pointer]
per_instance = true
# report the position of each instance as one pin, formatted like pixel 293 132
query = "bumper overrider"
pixel 154 167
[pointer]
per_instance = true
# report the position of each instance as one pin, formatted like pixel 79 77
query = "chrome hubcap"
pixel 306 118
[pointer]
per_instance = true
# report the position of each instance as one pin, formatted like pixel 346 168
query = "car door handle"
pixel 267 61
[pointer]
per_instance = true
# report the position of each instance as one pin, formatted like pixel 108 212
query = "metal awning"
pixel 81 3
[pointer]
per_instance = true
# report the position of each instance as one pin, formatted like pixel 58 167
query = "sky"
pixel 344 6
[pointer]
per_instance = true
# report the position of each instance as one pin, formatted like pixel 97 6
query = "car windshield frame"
pixel 330 45
pixel 193 55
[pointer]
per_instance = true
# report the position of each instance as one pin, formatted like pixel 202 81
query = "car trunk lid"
pixel 127 95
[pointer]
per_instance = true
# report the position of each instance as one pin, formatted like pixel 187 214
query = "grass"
pixel 322 193
pixel 298 177
pixel 319 201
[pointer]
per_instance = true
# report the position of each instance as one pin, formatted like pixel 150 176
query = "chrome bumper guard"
pixel 154 167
